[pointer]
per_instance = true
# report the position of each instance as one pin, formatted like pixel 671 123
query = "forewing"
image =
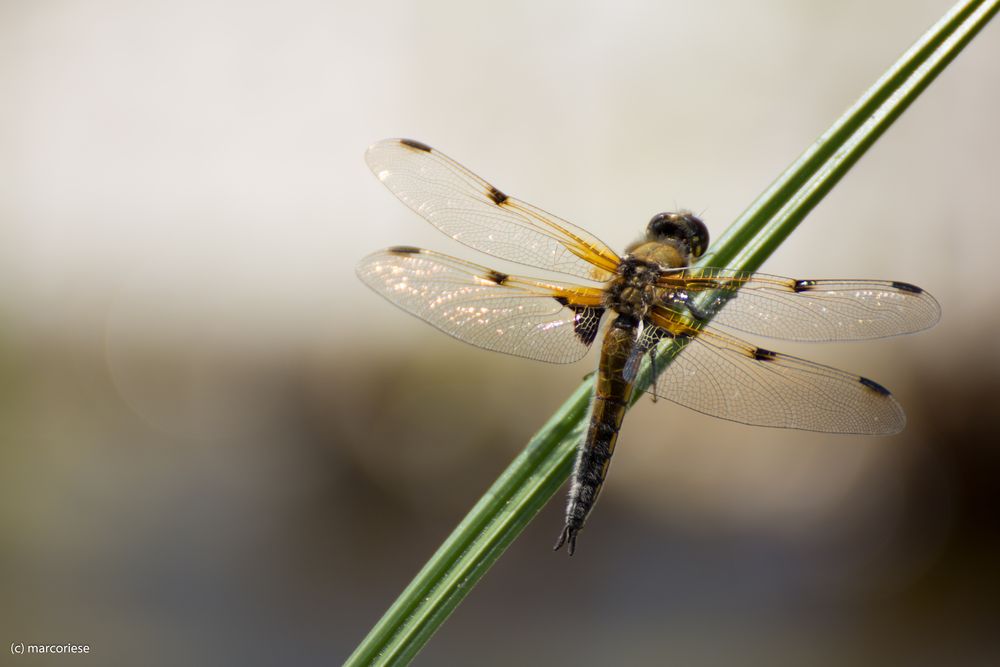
pixel 725 377
pixel 548 321
pixel 473 212
pixel 808 310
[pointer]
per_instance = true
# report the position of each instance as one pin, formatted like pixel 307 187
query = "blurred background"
pixel 218 447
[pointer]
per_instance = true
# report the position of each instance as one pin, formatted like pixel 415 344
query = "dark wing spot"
pixel 496 277
pixel 874 386
pixel 412 143
pixel 404 250
pixel 906 287
pixel 497 196
pixel 803 285
pixel 586 322
pixel 760 354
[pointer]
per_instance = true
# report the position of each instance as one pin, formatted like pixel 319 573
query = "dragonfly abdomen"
pixel 611 397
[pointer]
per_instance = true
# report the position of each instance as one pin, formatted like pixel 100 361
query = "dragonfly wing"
pixel 473 212
pixel 808 310
pixel 548 321
pixel 725 377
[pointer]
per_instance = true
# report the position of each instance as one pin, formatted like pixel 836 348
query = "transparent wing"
pixel 473 212
pixel 728 378
pixel 808 310
pixel 541 320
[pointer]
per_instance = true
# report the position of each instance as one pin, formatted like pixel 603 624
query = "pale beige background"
pixel 219 447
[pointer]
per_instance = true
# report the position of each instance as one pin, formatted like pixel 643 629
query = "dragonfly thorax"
pixel 632 292
pixel 633 289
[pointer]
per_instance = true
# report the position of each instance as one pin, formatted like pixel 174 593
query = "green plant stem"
pixel 541 469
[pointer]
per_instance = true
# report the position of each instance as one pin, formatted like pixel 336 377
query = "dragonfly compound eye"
pixel 684 227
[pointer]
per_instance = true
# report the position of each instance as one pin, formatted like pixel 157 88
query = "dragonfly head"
pixel 683 228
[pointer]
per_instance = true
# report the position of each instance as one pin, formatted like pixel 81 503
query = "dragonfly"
pixel 654 303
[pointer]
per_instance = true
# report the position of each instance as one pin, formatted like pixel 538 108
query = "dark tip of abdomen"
pixel 404 250
pixel 567 537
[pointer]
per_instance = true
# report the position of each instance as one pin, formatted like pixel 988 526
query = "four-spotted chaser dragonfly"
pixel 651 295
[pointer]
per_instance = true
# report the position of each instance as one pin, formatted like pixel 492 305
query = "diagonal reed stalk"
pixel 544 465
